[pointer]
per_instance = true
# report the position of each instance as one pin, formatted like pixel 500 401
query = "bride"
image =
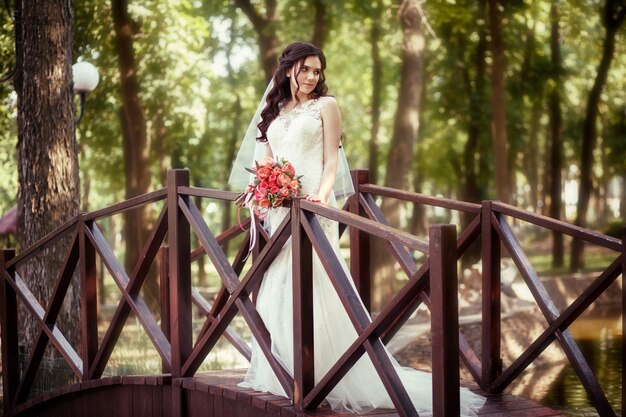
pixel 301 124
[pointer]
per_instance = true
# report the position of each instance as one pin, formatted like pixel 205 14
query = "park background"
pixel 520 101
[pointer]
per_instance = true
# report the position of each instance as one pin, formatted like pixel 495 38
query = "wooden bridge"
pixel 182 390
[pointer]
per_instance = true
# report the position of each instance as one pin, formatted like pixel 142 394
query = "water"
pixel 599 337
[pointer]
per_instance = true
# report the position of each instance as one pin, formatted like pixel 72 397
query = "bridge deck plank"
pixel 216 394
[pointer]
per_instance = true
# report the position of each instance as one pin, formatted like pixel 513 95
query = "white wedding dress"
pixel 297 137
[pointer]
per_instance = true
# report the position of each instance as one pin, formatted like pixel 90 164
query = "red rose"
pixel 274 189
pixel 272 178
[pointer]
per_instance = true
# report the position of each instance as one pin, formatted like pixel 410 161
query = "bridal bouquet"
pixel 274 183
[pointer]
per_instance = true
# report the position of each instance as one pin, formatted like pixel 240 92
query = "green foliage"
pixel 200 77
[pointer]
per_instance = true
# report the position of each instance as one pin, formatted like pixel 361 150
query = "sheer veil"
pixel 252 150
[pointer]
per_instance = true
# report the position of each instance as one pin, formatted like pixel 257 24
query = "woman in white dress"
pixel 301 124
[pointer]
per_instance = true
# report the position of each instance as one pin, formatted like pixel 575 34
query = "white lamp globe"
pixel 85 76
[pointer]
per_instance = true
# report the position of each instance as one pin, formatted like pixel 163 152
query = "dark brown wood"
pixel 366 225
pixel 444 327
pixel 44 242
pixel 134 301
pixel 130 204
pixel 404 257
pixel 360 267
pixel 551 313
pixel 623 257
pixel 208 193
pixel 230 334
pixel 179 241
pixel 148 254
pixel 240 292
pixel 223 237
pixel 58 295
pixel 491 361
pixel 469 235
pixel 420 198
pixel 164 285
pixel 89 299
pixel 576 232
pixel 303 351
pixel 8 328
pixel 52 331
pixel 358 315
pixel 208 394
pixel 562 322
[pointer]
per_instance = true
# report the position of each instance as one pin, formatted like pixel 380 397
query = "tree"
pixel 613 16
pixel 498 106
pixel 556 145
pixel 320 24
pixel 136 146
pixel 265 27
pixel 377 69
pixel 48 193
pixel 406 124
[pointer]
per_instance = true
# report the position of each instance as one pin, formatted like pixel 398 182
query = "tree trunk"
pixel 500 145
pixel 377 70
pixel 469 190
pixel 614 13
pixel 265 27
pixel 136 148
pixel 406 125
pixel 48 191
pixel 320 24
pixel 555 182
pixel 622 202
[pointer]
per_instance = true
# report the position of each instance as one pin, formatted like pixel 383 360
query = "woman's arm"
pixel 331 125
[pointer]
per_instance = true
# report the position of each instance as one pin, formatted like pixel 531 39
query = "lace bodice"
pixel 297 136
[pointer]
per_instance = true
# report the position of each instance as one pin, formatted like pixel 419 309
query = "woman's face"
pixel 308 74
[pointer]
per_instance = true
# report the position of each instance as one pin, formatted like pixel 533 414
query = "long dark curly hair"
pixel 294 54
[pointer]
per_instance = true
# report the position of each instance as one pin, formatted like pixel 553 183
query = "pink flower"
pixel 283 179
pixel 272 178
pixel 274 189
pixel 263 173
pixel 289 169
pixel 268 162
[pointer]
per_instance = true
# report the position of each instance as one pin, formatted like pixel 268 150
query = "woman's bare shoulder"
pixel 329 103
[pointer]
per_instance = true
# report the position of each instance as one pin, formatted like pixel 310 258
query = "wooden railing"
pixel 433 282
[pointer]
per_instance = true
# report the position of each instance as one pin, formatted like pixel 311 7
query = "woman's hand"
pixel 314 198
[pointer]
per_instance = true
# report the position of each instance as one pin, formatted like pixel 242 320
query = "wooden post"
pixel 302 264
pixel 8 328
pixel 88 298
pixel 164 285
pixel 444 309
pixel 179 242
pixel 623 322
pixel 360 267
pixel 491 361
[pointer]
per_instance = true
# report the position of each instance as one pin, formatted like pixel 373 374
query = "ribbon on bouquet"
pixel 253 232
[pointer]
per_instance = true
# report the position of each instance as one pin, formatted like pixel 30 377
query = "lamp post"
pixel 86 79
